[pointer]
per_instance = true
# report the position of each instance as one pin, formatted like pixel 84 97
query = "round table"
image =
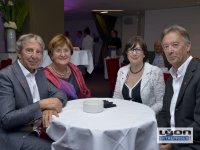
pixel 129 126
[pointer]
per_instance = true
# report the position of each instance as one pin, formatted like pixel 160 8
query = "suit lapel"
pixel 169 91
pixel 188 76
pixel 22 80
pixel 40 83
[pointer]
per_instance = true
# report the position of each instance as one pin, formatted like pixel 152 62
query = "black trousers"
pixel 186 146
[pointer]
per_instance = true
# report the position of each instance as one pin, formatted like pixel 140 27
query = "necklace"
pixel 136 71
pixel 62 75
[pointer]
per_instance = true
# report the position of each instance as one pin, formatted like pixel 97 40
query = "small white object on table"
pixel 83 57
pixel 93 106
pixel 129 126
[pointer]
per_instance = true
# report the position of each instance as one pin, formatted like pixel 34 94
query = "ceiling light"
pixel 96 10
pixel 104 12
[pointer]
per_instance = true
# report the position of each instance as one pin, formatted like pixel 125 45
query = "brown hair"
pixel 59 40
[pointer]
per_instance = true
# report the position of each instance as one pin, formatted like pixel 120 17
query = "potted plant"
pixel 13 14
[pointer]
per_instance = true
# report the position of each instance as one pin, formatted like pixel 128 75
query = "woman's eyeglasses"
pixel 137 50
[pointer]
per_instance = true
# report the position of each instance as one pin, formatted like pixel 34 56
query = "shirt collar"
pixel 24 70
pixel 181 70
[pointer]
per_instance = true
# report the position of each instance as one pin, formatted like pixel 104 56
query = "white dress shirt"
pixel 176 84
pixel 30 77
pixel 87 43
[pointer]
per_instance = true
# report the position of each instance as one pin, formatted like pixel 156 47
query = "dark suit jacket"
pixel 17 110
pixel 152 56
pixel 187 111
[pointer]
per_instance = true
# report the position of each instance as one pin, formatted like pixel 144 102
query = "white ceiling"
pixel 81 9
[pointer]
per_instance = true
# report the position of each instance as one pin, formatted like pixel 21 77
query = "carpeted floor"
pixel 97 84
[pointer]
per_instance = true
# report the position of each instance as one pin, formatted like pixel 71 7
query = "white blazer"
pixel 152 86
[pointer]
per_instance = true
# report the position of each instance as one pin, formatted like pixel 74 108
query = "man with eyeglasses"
pixel 181 102
pixel 27 99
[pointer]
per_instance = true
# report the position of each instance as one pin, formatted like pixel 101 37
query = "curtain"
pixel 104 24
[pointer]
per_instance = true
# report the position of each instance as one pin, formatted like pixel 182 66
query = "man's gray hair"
pixel 26 38
pixel 176 28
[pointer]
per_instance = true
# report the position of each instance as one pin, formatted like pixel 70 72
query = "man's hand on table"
pixel 47 117
pixel 51 104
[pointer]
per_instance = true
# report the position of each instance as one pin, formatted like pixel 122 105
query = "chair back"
pixel 112 69
pixel 6 62
pixel 166 76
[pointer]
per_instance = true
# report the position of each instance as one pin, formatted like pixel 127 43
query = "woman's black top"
pixel 135 93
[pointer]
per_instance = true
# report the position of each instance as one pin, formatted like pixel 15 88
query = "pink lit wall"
pixel 72 4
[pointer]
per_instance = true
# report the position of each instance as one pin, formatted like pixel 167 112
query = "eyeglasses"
pixel 31 51
pixel 60 51
pixel 137 50
pixel 174 45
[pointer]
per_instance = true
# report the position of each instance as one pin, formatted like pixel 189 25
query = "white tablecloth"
pixel 129 126
pixel 46 60
pixel 83 57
